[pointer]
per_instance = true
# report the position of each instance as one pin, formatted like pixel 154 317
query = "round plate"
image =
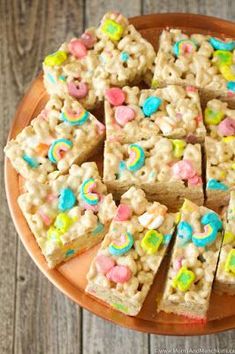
pixel 70 277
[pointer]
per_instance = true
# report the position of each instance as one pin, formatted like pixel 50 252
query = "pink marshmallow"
pixel 177 264
pixel 88 39
pixel 124 114
pixel 100 127
pixel 123 213
pixel 77 48
pixel 46 219
pixel 94 208
pixel 115 96
pixel 227 127
pixel 191 89
pixel 183 169
pixel 119 274
pixel 104 263
pixel 79 91
pixel 195 180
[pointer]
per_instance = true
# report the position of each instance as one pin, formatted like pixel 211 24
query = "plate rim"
pixel 53 275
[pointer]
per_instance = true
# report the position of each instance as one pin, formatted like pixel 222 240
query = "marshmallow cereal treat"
pixel 193 262
pixel 132 114
pixel 123 270
pixel 114 54
pixel 220 170
pixel 198 60
pixel 168 170
pixel 69 214
pixel 62 134
pixel 225 276
pixel 219 119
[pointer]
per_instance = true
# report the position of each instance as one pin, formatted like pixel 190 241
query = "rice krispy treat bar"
pixel 131 253
pixel 69 214
pixel 198 60
pixel 113 54
pixel 193 262
pixel 220 170
pixel 225 276
pixel 167 170
pixel 219 119
pixel 62 134
pixel 134 114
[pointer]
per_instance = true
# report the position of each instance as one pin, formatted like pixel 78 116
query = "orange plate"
pixel 71 276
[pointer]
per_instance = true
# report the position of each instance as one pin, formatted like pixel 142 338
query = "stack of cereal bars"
pixel 169 150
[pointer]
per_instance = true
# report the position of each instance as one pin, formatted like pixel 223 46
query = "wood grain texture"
pixel 219 8
pixel 35 318
pixel 102 337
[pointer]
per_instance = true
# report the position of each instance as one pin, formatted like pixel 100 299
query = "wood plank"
pixel 45 320
pixel 8 239
pixel 94 13
pixel 223 342
pixel 213 8
pixel 102 337
pixel 105 337
pixel 224 9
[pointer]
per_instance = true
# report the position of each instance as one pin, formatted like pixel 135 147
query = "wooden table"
pixel 35 318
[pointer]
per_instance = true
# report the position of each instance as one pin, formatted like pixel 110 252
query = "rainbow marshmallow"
pixel 58 148
pixel 78 118
pixel 212 225
pixel 122 245
pixel 136 157
pixel 184 46
pixel 87 193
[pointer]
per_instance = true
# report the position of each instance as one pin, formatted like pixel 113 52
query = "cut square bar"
pixel 173 112
pixel 69 214
pixel 123 270
pixel 63 133
pixel 193 262
pixel 220 170
pixel 167 170
pixel 198 60
pixel 114 54
pixel 225 276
